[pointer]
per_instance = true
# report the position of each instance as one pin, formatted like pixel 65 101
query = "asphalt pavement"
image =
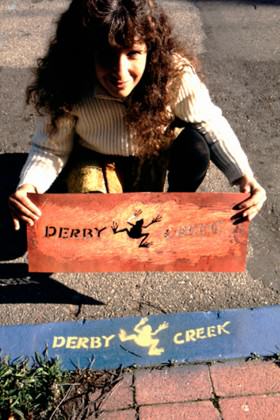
pixel 238 44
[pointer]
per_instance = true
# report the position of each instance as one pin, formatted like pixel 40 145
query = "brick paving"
pixel 218 391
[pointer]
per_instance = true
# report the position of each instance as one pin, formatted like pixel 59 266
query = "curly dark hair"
pixel 66 75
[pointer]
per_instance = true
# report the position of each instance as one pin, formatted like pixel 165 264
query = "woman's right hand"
pixel 22 208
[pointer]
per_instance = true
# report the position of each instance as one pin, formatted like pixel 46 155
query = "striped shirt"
pixel 100 125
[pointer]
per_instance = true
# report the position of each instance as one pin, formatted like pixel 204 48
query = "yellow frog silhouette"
pixel 144 336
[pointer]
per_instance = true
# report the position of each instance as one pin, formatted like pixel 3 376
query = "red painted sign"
pixel 137 232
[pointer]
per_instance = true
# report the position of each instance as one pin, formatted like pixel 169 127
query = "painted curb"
pixel 154 340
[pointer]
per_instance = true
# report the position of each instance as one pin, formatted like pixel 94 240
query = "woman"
pixel 110 93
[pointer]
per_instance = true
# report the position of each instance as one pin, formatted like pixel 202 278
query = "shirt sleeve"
pixel 195 106
pixel 49 153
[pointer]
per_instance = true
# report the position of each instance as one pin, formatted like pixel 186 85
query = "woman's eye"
pixel 132 53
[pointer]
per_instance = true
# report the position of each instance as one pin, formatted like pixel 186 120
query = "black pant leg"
pixel 142 175
pixel 187 162
pixel 189 159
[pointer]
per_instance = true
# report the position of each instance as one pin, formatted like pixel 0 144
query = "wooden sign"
pixel 137 232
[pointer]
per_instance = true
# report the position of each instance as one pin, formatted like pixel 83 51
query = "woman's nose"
pixel 122 67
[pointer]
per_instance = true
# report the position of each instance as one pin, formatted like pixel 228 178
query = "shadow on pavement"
pixel 19 286
pixel 13 244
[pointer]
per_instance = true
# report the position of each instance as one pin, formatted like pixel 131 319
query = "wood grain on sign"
pixel 137 232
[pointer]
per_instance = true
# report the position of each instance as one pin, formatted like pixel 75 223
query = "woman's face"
pixel 119 70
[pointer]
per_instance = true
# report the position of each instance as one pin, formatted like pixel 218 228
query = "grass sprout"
pixel 41 389
pixel 29 390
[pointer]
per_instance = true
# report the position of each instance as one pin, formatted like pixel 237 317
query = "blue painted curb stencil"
pixel 153 340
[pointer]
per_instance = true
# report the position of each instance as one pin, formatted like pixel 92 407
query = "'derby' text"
pixel 72 233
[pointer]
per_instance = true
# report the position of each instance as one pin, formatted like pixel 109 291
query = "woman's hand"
pixel 252 205
pixel 22 208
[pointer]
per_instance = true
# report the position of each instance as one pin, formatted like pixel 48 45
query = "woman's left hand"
pixel 250 207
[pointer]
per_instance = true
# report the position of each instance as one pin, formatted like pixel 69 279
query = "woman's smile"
pixel 120 83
